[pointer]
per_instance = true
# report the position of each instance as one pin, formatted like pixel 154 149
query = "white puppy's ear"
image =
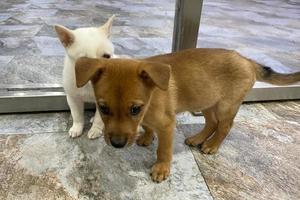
pixel 87 69
pixel 106 28
pixel 65 35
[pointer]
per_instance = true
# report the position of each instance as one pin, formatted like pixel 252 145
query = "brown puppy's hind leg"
pixel 146 138
pixel 209 128
pixel 225 115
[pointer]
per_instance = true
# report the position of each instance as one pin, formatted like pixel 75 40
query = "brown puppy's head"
pixel 123 89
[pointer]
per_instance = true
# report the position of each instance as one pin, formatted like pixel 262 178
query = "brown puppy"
pixel 151 91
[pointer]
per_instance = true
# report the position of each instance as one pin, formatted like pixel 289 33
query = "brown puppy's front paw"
pixel 193 141
pixel 94 132
pixel 144 140
pixel 209 147
pixel 190 142
pixel 160 171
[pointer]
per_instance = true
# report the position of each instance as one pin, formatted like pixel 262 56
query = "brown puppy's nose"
pixel 118 141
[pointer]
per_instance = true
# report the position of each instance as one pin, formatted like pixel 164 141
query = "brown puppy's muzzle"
pixel 118 141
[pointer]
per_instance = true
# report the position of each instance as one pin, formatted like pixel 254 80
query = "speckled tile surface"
pixel 258 160
pixel 34 123
pixel 260 157
pixel 52 166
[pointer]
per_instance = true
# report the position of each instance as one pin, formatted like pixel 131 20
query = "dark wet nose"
pixel 118 142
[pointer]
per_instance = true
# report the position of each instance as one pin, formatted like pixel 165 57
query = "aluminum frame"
pixel 186 24
pixel 39 99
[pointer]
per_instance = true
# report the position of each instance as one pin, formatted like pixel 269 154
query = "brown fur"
pixel 214 81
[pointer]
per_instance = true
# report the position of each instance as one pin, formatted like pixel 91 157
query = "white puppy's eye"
pixel 106 55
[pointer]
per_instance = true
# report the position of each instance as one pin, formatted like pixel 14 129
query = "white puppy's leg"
pixel 77 112
pixel 92 119
pixel 96 129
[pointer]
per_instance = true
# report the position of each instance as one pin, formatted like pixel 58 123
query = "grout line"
pixel 30 133
pixel 191 149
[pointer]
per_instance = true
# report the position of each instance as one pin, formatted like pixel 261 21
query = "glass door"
pixel 265 31
pixel 31 56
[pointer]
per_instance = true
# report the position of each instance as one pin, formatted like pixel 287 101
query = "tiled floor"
pixel 258 160
pixel 52 165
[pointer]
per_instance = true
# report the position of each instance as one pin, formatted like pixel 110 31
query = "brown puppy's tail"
pixel 266 74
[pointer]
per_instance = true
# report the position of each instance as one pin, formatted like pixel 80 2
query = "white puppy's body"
pixel 93 43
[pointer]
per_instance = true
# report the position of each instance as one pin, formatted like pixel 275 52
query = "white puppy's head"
pixel 92 42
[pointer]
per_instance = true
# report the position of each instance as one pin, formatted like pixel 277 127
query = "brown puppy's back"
pixel 204 76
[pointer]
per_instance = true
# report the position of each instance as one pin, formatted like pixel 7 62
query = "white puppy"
pixel 90 42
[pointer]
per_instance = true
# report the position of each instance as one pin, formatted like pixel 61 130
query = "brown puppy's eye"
pixel 104 109
pixel 135 110
pixel 106 55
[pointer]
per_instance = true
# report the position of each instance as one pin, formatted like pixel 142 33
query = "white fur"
pixel 90 42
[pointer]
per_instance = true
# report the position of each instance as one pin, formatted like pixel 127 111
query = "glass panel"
pixel 31 56
pixel 31 53
pixel 267 31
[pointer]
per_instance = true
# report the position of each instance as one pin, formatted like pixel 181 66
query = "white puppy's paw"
pixel 76 130
pixel 95 132
pixel 92 119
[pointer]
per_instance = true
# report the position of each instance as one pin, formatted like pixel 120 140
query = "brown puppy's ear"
pixel 107 26
pixel 87 69
pixel 65 35
pixel 155 73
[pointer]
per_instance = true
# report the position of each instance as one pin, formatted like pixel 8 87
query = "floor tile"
pixel 33 123
pixel 55 164
pixel 259 159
